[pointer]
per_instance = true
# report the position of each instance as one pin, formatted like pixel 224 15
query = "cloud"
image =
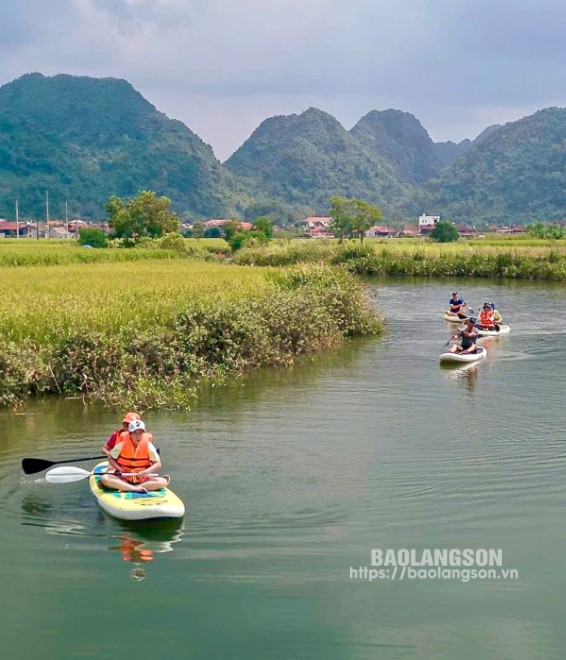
pixel 223 66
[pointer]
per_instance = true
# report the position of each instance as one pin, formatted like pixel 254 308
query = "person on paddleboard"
pixel 486 319
pixel 469 336
pixel 135 461
pixel 113 439
pixel 456 305
pixel 496 316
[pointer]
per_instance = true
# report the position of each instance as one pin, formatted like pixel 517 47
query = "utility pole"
pixel 66 220
pixel 17 220
pixel 47 211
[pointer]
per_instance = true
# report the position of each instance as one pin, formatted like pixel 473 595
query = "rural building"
pixel 220 222
pixel 427 222
pixel 13 229
pixel 378 231
pixel 318 226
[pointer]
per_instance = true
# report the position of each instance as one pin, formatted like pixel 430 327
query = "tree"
pixel 264 226
pixel 365 216
pixel 198 230
pixel 342 220
pixel 352 217
pixel 212 232
pixel 92 236
pixel 444 232
pixel 146 215
pixel 540 230
pixel 231 228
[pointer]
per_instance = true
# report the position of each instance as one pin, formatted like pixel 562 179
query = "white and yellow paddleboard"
pixel 156 504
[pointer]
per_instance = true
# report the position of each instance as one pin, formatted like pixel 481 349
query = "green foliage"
pixel 92 236
pixel 143 216
pixel 280 213
pixel 515 174
pixel 444 232
pixel 306 159
pixel 197 230
pixel 212 232
pixel 342 219
pixel 159 343
pixel 540 230
pixel 173 241
pixel 85 139
pixel 231 228
pixel 352 217
pixel 237 240
pixel 264 226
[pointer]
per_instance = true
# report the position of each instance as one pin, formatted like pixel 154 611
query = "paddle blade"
pixel 66 475
pixel 33 465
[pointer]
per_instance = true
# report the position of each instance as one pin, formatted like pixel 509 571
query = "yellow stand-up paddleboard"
pixel 157 504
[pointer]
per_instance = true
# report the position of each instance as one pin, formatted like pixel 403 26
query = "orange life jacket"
pixel 132 458
pixel 486 319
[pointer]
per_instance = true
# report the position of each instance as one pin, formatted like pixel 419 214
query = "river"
pixel 291 478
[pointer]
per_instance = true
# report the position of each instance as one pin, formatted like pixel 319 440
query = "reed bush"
pixel 526 259
pixel 147 333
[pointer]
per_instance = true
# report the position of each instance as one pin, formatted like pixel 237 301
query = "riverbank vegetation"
pixel 528 258
pixel 146 333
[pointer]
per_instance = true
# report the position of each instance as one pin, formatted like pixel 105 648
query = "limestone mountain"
pixel 401 139
pixel 514 173
pixel 307 158
pixel 85 139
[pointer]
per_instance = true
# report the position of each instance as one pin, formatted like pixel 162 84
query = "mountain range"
pixel 85 139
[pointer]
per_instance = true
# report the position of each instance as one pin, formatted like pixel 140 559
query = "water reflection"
pixel 138 545
pixel 467 375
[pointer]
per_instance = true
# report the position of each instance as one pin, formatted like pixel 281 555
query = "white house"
pixel 428 221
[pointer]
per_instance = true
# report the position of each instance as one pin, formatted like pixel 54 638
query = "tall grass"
pixel 146 333
pixel 419 258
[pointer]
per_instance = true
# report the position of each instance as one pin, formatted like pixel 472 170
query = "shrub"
pixel 92 236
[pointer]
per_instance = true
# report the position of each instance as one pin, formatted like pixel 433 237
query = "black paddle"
pixel 33 465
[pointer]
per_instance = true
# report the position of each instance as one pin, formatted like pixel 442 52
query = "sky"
pixel 224 66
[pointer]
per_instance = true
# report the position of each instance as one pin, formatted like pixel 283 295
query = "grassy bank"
pixel 53 252
pixel 535 260
pixel 146 333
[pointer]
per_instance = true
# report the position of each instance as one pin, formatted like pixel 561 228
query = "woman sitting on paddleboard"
pixel 134 452
pixel 469 337
pixel 486 320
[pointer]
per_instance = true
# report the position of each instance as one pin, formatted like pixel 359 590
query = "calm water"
pixel 291 478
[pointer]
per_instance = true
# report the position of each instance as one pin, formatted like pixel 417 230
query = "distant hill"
pixel 306 158
pixel 401 139
pixel 513 173
pixel 85 139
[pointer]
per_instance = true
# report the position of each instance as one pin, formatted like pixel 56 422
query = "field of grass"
pixel 50 252
pixel 145 333
pixel 512 259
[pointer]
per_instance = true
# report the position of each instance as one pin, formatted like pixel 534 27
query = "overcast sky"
pixel 223 66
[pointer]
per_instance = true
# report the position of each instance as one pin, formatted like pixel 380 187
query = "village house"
pixel 318 226
pixel 427 222
pixel 378 231
pixel 220 222
pixel 14 229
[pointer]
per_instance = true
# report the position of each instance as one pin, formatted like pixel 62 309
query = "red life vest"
pixel 487 318
pixel 132 458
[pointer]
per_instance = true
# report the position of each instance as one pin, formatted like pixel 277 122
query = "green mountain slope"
pixel 515 173
pixel 306 158
pixel 84 139
pixel 401 139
